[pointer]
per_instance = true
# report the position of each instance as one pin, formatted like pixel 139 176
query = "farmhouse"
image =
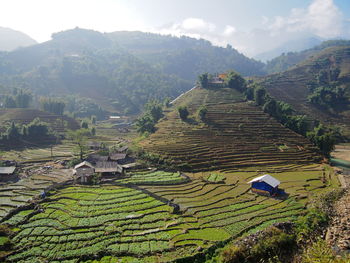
pixel 83 171
pixel 265 185
pixel 108 167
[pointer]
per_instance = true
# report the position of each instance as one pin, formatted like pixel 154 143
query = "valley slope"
pixel 235 134
pixel 293 85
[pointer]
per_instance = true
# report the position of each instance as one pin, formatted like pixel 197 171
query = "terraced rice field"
pixel 235 134
pixel 90 222
pixel 111 222
pixel 153 178
pixel 291 86
pixel 20 193
pixel 232 207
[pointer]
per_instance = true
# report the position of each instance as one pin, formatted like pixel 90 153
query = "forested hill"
pixel 318 87
pixel 185 57
pixel 120 71
pixel 287 60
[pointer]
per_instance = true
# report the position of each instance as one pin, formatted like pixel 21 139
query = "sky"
pixel 251 26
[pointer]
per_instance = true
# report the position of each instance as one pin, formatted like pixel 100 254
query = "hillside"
pixel 119 71
pixel 331 68
pixel 25 116
pixel 235 134
pixel 185 57
pixel 289 59
pixel 11 39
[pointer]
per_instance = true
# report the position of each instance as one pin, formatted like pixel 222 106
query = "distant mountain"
pixel 120 71
pixel 290 46
pixel 287 60
pixel 11 39
pixel 185 57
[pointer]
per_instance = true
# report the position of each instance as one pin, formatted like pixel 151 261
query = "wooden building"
pixel 83 172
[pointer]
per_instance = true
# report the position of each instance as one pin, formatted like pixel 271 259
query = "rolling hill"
pixel 289 59
pixel 330 68
pixel 236 133
pixel 11 39
pixel 120 71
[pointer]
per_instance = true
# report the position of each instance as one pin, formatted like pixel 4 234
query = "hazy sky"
pixel 252 26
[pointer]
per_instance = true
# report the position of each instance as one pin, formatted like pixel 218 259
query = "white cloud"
pixel 229 30
pixel 321 19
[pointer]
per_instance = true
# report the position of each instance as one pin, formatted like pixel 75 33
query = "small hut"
pixel 265 185
pixel 83 171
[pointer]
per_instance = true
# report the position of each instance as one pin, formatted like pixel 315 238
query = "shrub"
pixel 183 112
pixel 202 112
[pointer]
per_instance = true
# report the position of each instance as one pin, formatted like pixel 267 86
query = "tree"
pixel 79 138
pixel 52 105
pixel 235 81
pixel 154 109
pixel 9 102
pixel 37 129
pixel 145 124
pixel 183 112
pixel 13 133
pixel 259 95
pixel 84 125
pixel 23 99
pixel 204 80
pixel 270 107
pixel 202 112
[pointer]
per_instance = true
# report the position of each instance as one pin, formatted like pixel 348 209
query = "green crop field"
pixel 116 223
pixel 86 222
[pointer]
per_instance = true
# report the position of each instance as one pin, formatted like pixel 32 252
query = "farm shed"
pixel 83 171
pixel 265 185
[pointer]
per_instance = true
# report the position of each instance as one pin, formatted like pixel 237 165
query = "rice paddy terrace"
pixel 291 86
pixel 131 220
pixel 235 134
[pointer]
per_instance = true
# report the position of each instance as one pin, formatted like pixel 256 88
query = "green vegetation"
pixel 18 99
pixel 183 112
pixel 153 178
pixel 152 114
pixel 232 136
pixel 202 112
pixel 91 222
pixel 215 178
pixel 275 245
pixel 36 132
pixel 52 105
pixel 79 138
pixel 235 81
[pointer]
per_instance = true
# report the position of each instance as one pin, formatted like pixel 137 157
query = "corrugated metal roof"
pixel 267 179
pixel 7 170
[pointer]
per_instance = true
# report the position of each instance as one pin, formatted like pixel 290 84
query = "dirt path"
pixel 338 234
pixel 342 151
